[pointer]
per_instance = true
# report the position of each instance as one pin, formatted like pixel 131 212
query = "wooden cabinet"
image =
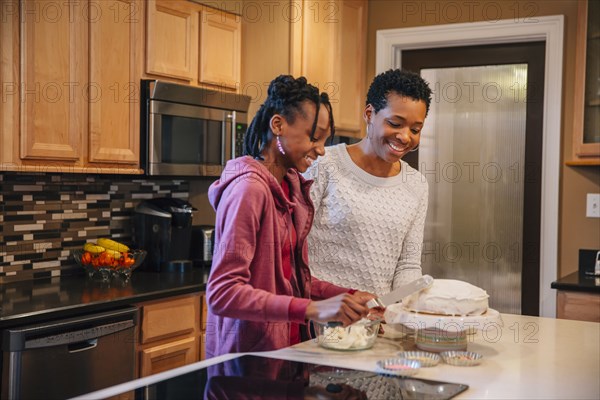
pixel 578 306
pixel 115 71
pixel 53 57
pixel 329 48
pixel 220 49
pixel 586 110
pixel 193 43
pixel 351 55
pixel 170 333
pixel 172 39
pixel 167 356
pixel 70 75
pixel 9 90
pixel 203 316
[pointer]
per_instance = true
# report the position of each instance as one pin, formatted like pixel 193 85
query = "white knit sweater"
pixel 368 231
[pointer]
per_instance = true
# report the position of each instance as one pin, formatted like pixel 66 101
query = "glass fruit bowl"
pixel 107 265
pixel 359 336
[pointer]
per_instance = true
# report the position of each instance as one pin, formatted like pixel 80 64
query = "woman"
pixel 260 292
pixel 370 205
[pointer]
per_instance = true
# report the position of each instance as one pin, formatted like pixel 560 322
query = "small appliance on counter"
pixel 589 263
pixel 203 237
pixel 163 227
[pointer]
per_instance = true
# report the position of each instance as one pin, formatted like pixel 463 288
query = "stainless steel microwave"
pixel 190 131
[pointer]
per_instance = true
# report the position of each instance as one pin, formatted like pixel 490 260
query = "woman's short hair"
pixel 404 83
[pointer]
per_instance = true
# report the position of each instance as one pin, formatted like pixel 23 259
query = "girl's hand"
pixel 345 308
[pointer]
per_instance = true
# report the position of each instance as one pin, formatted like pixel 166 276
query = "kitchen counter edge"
pixel 578 282
pixel 34 301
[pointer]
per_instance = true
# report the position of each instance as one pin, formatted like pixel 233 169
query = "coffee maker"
pixel 163 227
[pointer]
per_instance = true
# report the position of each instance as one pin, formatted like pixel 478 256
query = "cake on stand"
pixel 436 332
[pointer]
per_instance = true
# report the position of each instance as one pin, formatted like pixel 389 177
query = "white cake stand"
pixel 397 314
pixel 438 333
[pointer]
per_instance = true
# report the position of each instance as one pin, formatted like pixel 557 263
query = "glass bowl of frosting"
pixel 359 336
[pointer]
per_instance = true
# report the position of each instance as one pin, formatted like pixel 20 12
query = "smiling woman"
pixel 370 205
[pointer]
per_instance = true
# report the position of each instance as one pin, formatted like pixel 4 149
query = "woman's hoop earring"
pixel 415 149
pixel 279 146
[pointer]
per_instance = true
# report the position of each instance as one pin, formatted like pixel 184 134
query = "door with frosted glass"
pixel 481 154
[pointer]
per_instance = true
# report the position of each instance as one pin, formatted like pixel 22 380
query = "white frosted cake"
pixel 448 297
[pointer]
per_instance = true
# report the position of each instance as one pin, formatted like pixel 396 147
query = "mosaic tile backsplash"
pixel 44 216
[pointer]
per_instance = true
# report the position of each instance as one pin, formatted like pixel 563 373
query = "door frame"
pixel 389 46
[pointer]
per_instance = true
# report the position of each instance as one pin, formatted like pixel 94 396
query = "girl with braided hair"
pixel 260 292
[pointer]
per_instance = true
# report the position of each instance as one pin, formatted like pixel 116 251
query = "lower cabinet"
pixel 203 316
pixel 578 306
pixel 203 346
pixel 170 355
pixel 170 333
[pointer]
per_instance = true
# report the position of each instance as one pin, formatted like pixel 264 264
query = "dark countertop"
pixel 267 376
pixel 40 300
pixel 578 282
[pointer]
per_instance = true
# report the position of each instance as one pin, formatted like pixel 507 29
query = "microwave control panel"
pixel 239 132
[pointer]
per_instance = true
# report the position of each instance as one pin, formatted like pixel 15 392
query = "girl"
pixel 260 292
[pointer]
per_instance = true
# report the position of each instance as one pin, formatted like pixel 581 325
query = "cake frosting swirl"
pixel 448 297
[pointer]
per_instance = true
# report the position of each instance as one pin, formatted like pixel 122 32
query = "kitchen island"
pixel 526 358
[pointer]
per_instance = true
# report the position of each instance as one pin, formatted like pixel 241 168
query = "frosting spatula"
pixel 398 294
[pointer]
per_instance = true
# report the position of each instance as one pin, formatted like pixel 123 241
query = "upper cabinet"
pixel 115 69
pixel 53 76
pixel 172 39
pixel 220 49
pixel 70 72
pixel 70 75
pixel 586 111
pixel 328 46
pixel 193 43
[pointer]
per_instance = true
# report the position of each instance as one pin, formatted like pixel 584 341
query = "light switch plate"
pixel 592 209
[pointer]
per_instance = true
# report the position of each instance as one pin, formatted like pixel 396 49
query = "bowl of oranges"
pixel 107 258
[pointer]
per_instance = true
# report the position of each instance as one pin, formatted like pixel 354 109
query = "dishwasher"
pixel 69 357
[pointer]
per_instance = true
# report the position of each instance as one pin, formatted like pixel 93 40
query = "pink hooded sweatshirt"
pixel 250 302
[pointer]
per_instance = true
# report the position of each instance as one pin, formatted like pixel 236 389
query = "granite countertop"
pixel 44 299
pixel 578 282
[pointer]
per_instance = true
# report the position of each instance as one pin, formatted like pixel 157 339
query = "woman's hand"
pixel 375 312
pixel 346 308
